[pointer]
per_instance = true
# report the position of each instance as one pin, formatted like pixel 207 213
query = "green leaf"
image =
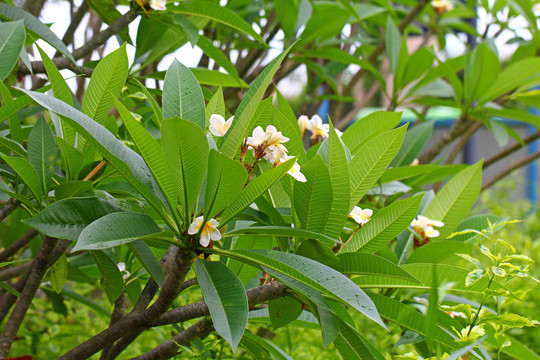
pixel 435 252
pixel 70 189
pixel 27 173
pixel 12 37
pixel 309 273
pixel 370 162
pixel 393 44
pixel 148 259
pixel 186 153
pixel 315 250
pixel 152 153
pixel 158 115
pixel 107 79
pixel 217 78
pixel 72 158
pixel 477 222
pixel 366 128
pixel 244 271
pixel 313 199
pixel 279 231
pixel 284 310
pixel 42 152
pixel 352 345
pixel 217 55
pixel 9 289
pixel 369 264
pixel 453 202
pixel 12 146
pixel 414 141
pixel 226 299
pixel 265 349
pixel 337 162
pixel 112 281
pixel 67 218
pixel 215 12
pixel 225 180
pixel 32 23
pixel 254 189
pixel 59 272
pixel 116 229
pixel 182 95
pixel 128 163
pixel 481 70
pixel 384 226
pixel 243 119
pixel 216 105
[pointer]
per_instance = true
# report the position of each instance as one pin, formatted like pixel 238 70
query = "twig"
pixel 15 271
pixel 170 347
pixel 463 141
pixel 18 244
pixel 117 314
pixel 74 24
pixel 510 169
pixel 8 207
pixel 455 131
pixel 504 153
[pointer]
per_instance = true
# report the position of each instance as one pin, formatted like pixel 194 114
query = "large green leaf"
pixel 384 226
pixel 243 119
pixel 215 12
pixel 216 105
pixel 477 222
pixel 186 153
pixel 279 231
pixel 15 129
pixel 112 281
pixel 336 160
pixel 352 345
pixel 225 180
pixel 72 158
pixel 254 189
pixel 32 23
pixel 262 348
pixel 42 152
pixel 371 160
pixel 284 310
pixel 107 79
pixel 309 273
pixel 11 107
pixel 453 202
pixel 27 173
pixel 369 264
pixel 12 37
pixel 413 143
pixel 148 259
pixel 244 271
pixel 313 199
pixel 116 229
pixel 67 218
pixel 435 252
pixel 182 95
pixel 128 163
pixel 152 153
pixel 7 146
pixel 226 299
pixel 158 114
pixel 368 127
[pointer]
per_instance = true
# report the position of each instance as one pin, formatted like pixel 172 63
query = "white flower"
pixel 274 137
pixel 274 156
pixel 317 128
pixel 303 122
pixel 218 125
pixel 209 232
pixel 294 171
pixel 258 137
pixel 424 226
pixel 122 268
pixel 361 216
pixel 442 5
pixel 158 4
pixel 415 162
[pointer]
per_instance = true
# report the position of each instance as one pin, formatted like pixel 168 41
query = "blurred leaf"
pixel 12 37
pixel 112 281
pixel 42 152
pixel 59 273
pixel 283 310
pixel 27 173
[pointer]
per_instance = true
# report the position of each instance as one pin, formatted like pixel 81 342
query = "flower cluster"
pixel 424 227
pixel 442 6
pixel 315 126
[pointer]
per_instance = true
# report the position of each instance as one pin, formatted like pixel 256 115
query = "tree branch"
pixel 170 347
pixel 455 131
pixel 510 169
pixel 463 141
pixel 8 207
pixel 504 153
pixel 18 244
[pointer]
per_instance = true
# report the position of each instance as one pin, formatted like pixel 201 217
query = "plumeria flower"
pixel 210 230
pixel 424 226
pixel 122 268
pixel 303 122
pixel 361 216
pixel 274 137
pixel 294 171
pixel 218 125
pixel 317 128
pixel 415 162
pixel 258 137
pixel 441 6
pixel 158 4
pixel 274 156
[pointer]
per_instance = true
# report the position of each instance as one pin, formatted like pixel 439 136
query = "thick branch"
pixel 41 264
pixel 170 347
pixel 18 244
pixel 270 291
pixel 510 169
pixel 529 139
pixel 463 141
pixel 117 314
pixel 8 207
pixel 454 132
pixel 171 288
